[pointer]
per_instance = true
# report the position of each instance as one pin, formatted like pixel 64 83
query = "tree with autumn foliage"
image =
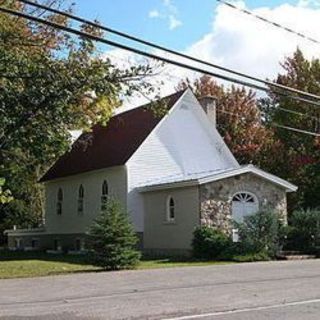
pixel 50 83
pixel 239 121
pixel 250 127
pixel 302 150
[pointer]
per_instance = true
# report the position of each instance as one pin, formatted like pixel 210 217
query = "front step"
pixel 294 255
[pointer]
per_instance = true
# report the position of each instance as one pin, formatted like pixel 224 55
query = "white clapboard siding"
pixel 184 142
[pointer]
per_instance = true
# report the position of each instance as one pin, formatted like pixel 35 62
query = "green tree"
pixel 261 233
pixel 5 194
pixel 50 83
pixel 300 161
pixel 210 243
pixel 304 231
pixel 112 239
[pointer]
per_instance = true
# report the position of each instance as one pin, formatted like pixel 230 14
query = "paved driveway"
pixel 275 290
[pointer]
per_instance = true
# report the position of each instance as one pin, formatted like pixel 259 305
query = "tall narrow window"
pixel 59 201
pixel 104 194
pixel 80 199
pixel 171 214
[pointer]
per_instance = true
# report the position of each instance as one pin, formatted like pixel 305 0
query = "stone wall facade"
pixel 216 199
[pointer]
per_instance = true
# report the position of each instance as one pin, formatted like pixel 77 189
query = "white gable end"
pixel 198 144
pixel 184 142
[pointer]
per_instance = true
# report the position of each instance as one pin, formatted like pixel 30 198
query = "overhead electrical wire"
pixel 99 39
pixel 144 53
pixel 168 50
pixel 153 56
pixel 265 20
pixel 273 124
pixel 179 79
pixel 304 115
pixel 296 130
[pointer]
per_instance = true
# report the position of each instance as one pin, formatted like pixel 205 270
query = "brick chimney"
pixel 209 105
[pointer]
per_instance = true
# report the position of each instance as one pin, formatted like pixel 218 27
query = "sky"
pixel 211 31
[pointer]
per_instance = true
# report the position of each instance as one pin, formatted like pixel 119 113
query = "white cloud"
pixel 174 22
pixel 168 12
pixel 307 3
pixel 164 82
pixel 154 14
pixel 244 43
pixel 171 7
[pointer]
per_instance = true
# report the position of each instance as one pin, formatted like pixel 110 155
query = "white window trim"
pixel 247 192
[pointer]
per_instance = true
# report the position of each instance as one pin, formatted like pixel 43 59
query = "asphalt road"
pixel 275 290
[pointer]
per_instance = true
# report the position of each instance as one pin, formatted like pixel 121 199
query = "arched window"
pixel 59 201
pixel 104 194
pixel 80 199
pixel 243 204
pixel 171 213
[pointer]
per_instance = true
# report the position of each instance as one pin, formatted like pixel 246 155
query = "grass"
pixel 36 264
pixel 30 264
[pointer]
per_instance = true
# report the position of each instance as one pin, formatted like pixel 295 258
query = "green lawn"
pixel 29 264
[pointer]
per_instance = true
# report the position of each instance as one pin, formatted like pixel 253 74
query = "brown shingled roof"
pixel 110 145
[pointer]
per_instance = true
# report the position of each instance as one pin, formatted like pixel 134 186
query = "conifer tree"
pixel 112 239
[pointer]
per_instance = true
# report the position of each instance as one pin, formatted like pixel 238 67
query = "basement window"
pixel 18 244
pixel 56 245
pixel 35 243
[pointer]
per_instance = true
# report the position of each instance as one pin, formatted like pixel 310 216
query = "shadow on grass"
pixel 85 259
pixel 37 255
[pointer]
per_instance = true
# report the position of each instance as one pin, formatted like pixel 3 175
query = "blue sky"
pixel 133 16
pixel 211 31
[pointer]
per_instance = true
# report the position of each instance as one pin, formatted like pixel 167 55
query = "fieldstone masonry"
pixel 216 199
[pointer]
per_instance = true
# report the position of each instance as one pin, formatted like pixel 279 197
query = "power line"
pixel 138 51
pixel 298 113
pixel 296 130
pixel 275 24
pixel 149 55
pixel 153 56
pixel 168 50
pixel 304 115
pixel 278 108
pixel 242 119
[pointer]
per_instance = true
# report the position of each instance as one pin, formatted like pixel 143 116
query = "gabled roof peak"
pixel 113 144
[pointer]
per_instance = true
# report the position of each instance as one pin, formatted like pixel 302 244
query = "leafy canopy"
pixel 50 83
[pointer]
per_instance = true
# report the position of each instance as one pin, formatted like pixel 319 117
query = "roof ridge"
pixel 148 104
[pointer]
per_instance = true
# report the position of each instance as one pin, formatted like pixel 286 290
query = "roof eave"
pixel 170 185
pixel 289 187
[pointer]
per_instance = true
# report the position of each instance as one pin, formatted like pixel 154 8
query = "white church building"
pixel 172 172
